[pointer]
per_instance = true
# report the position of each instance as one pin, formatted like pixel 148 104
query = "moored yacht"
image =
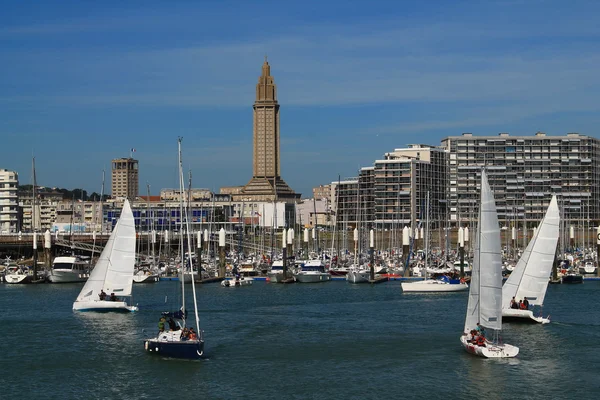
pixel 146 274
pixel 275 275
pixel 69 269
pixel 17 274
pixel 358 274
pixel 312 271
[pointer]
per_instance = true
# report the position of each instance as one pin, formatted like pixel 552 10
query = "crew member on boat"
pixel 480 330
pixel 102 295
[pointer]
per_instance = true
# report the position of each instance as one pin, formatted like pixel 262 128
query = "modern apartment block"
pixel 9 204
pixel 524 172
pixel 393 192
pixel 45 214
pixel 125 182
pixel 402 180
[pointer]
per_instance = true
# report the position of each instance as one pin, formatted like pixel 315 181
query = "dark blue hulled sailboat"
pixel 180 341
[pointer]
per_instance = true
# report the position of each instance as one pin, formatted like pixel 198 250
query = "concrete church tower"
pixel 266 183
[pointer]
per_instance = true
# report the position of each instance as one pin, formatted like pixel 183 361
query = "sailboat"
pixel 485 294
pixel 529 280
pixel 432 285
pixel 175 343
pixel 113 274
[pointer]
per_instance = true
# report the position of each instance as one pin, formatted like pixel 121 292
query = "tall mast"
pixel 33 223
pixel 181 245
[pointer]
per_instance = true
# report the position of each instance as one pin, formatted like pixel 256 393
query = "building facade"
pixel 266 183
pixel 9 203
pixel 393 192
pixel 403 180
pixel 125 180
pixel 524 172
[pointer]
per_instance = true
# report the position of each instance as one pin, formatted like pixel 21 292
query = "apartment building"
pixel 524 172
pixel 125 182
pixel 9 204
pixel 402 180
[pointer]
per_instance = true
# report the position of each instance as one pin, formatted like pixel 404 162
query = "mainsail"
pixel 113 272
pixel 485 292
pixel 530 277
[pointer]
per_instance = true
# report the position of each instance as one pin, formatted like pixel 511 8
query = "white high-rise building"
pixel 9 204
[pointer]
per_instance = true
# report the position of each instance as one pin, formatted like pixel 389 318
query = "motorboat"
pixel 312 271
pixel 69 269
pixel 237 281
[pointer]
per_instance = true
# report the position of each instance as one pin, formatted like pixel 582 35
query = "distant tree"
pixel 96 197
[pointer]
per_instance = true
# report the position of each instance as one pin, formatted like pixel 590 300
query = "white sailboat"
pixel 113 274
pixel 529 280
pixel 431 285
pixel 485 294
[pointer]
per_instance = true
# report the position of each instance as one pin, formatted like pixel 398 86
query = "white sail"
pixel 113 272
pixel 485 292
pixel 530 276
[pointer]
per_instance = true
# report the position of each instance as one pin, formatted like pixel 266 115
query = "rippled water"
pixel 323 341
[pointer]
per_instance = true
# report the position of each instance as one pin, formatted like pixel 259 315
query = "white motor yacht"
pixel 69 269
pixel 312 271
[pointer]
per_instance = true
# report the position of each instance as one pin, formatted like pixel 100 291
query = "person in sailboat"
pixel 113 297
pixel 193 335
pixel 471 336
pixel 480 330
pixel 173 325
pixel 102 295
pixel 513 303
pixel 161 324
pixel 525 304
pixel 185 334
pixel 480 340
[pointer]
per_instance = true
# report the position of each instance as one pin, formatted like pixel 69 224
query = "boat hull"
pixel 358 276
pixel 237 282
pixel 189 349
pixel 18 278
pixel 275 277
pixel 511 314
pixel 58 276
pixel 433 286
pixel 491 350
pixel 103 306
pixel 137 278
pixel 312 278
pixel 572 279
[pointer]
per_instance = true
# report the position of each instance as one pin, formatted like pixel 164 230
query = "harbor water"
pixel 303 341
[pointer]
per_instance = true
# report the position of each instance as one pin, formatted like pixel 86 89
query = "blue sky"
pixel 84 82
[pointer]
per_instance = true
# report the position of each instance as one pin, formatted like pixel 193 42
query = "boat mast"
pixel 150 225
pixel 189 244
pixel 426 234
pixel 33 224
pixel 181 244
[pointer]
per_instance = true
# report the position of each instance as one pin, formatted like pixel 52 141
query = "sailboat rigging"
pixel 484 308
pixel 180 341
pixel 113 274
pixel 530 278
